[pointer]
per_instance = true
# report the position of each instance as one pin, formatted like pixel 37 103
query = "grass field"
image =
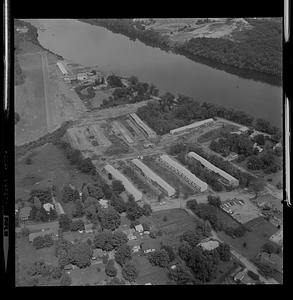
pixel 254 240
pixel 169 177
pixel 30 100
pixel 149 273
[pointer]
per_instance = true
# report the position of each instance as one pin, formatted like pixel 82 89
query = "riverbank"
pixel 222 62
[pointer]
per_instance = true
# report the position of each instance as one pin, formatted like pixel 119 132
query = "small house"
pixel 239 276
pixel 69 267
pixel 97 253
pixel 81 76
pixel 88 227
pixel 48 206
pixel 135 248
pixel 104 203
pixel 139 228
pixel 209 244
pixel 24 213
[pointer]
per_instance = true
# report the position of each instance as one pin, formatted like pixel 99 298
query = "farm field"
pixel 48 163
pixel 168 176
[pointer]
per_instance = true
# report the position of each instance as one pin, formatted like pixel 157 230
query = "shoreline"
pixel 240 72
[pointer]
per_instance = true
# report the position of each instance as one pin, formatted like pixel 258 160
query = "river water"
pixel 92 45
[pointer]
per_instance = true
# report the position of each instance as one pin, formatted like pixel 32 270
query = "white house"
pixel 194 125
pixel 48 206
pixel 139 228
pixel 144 126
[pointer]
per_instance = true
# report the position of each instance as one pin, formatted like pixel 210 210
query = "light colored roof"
pixel 209 245
pixel 201 184
pixel 213 168
pixel 48 206
pixel 243 128
pixel 154 177
pixel 61 67
pixel 191 126
pixel 130 188
pixel 59 208
pixel 144 126
pixel 139 228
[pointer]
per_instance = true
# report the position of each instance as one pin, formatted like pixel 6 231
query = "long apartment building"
pixel 143 125
pixel 152 176
pixel 195 125
pixel 62 68
pixel 129 187
pixel 231 180
pixel 183 172
pixel 120 128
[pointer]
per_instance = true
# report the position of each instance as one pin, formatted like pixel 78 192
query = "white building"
pixel 194 125
pixel 82 76
pixel 154 177
pixel 209 245
pixel 232 180
pixel 129 187
pixel 183 172
pixel 144 126
pixel 62 68
pixel 48 206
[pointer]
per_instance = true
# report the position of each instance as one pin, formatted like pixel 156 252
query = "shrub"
pixel 129 272
pixel 110 269
pixel 65 280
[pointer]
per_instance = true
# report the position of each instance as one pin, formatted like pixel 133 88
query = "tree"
pixel 110 269
pixel 103 240
pixel 214 200
pixel 118 239
pixel 133 210
pixel 224 252
pixel 159 258
pixel 191 237
pixel 65 280
pixel 64 222
pixel 184 251
pixel 118 186
pixel 146 210
pixel 129 272
pixel 80 254
pixel 78 209
pixel 56 272
pixel 69 194
pixel 181 275
pixel 43 241
pixel 109 218
pixel 95 192
pixel 77 225
pixel 118 204
pixel 259 139
pixel 271 248
pixel 169 251
pixel 257 186
pixel 123 254
pixel 37 203
pixel 239 231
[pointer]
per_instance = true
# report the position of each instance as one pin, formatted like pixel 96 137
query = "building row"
pixel 144 126
pixel 183 172
pixel 230 179
pixel 120 128
pixel 129 187
pixel 62 68
pixel 154 177
pixel 195 125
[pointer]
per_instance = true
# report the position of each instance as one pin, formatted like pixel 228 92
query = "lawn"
pixel 148 273
pixel 254 240
pixel 169 177
pixel 173 223
pixel 88 276
pixel 226 219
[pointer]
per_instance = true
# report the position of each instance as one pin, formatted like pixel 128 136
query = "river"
pixel 92 45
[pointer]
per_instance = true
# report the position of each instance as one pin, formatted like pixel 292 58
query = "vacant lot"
pixel 148 273
pixel 169 177
pixel 30 100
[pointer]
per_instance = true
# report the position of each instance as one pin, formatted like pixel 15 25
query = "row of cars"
pixel 229 204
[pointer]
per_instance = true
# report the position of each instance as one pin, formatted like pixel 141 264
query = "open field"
pixel 30 100
pixel 48 163
pixel 148 273
pixel 169 177
pixel 254 240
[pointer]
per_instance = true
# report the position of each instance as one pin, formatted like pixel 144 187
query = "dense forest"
pixel 258 49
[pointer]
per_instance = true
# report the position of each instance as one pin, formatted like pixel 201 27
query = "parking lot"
pixel 241 209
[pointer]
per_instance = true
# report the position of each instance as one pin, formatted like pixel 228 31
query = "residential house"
pixel 272 260
pixel 24 213
pixel 209 244
pixel 139 228
pixel 48 206
pixel 104 203
pixel 136 248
